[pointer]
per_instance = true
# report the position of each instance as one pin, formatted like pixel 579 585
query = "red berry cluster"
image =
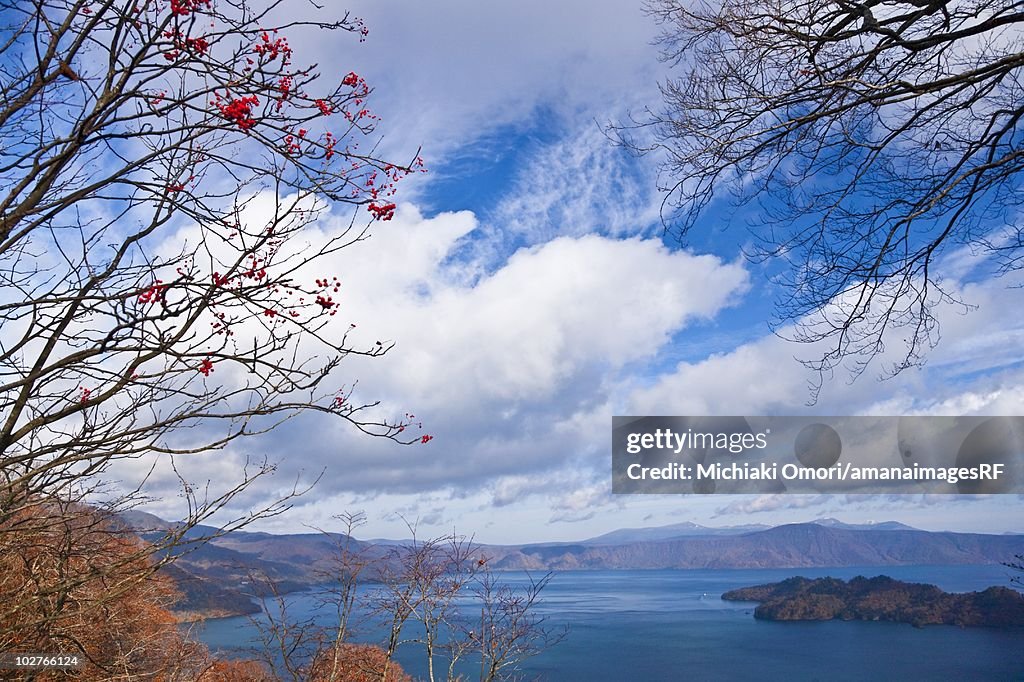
pixel 183 8
pixel 255 271
pixel 324 107
pixel 221 326
pixel 153 293
pixel 198 45
pixel 361 27
pixel 326 302
pixel 291 145
pixel 327 284
pixel 184 44
pixel 205 367
pixel 375 189
pixel 284 84
pixel 271 49
pixel 381 211
pixel 324 299
pixel 329 144
pixel 238 111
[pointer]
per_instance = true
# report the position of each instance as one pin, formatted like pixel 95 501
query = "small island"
pixel 883 599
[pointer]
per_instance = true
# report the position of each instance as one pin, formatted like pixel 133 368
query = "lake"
pixel 672 625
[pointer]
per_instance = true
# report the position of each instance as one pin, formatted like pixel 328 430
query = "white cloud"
pixel 452 70
pixel 513 373
pixel 582 504
pixel 520 334
pixel 974 370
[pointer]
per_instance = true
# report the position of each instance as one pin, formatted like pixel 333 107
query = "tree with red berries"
pixel 161 164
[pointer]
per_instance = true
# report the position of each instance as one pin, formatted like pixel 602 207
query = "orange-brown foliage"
pixel 235 671
pixel 72 584
pixel 355 663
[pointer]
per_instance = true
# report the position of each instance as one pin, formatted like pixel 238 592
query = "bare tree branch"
pixel 862 140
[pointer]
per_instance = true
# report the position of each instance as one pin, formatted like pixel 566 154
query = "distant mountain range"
pixel 880 525
pixel 217 578
pixel 690 529
pixel 789 546
pixel 659 533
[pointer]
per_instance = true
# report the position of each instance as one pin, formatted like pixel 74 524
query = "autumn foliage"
pixel 234 671
pixel 347 662
pixel 72 584
pixel 116 612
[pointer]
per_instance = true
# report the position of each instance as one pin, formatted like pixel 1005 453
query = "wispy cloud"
pixel 579 185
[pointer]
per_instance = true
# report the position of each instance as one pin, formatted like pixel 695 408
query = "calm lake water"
pixel 672 625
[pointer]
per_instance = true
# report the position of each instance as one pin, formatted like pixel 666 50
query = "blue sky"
pixel 531 296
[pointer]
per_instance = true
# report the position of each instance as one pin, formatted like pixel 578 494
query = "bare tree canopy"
pixel 864 141
pixel 438 595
